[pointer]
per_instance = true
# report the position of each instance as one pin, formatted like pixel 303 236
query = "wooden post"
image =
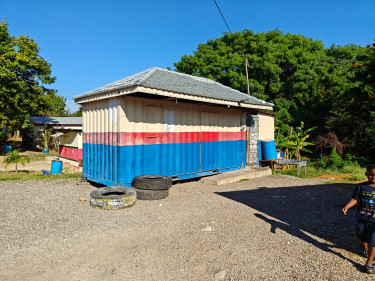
pixel 247 76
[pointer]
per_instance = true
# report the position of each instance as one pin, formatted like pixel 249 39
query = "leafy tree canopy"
pixel 306 81
pixel 23 79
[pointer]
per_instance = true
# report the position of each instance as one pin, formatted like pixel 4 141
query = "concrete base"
pixel 235 176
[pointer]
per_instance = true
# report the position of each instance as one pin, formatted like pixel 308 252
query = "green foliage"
pixel 296 141
pixel 13 157
pixel 335 162
pixel 23 77
pixel 78 113
pixel 3 138
pixel 347 174
pixel 281 137
pixel 354 113
pixel 332 89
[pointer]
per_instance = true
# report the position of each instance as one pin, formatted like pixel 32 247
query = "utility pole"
pixel 247 76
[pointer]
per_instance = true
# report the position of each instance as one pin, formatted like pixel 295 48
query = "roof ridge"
pixel 148 73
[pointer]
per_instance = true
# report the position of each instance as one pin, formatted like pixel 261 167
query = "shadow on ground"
pixel 304 210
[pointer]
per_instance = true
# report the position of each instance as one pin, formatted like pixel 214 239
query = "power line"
pixel 222 16
pixel 244 55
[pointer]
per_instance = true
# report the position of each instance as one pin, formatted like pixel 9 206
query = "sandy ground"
pixel 269 228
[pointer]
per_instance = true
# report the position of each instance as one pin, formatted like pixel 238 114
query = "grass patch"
pixel 244 180
pixel 39 156
pixel 8 176
pixel 348 174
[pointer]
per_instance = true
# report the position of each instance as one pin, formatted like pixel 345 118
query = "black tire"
pixel 152 182
pixel 145 194
pixel 113 197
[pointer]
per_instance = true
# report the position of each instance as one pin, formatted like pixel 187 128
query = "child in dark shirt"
pixel 364 194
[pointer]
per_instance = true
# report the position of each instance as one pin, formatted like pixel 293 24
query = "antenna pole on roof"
pixel 247 76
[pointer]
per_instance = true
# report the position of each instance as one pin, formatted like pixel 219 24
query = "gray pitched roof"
pixel 163 79
pixel 56 120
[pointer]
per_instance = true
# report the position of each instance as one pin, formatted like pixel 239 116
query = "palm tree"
pixel 13 157
pixel 297 141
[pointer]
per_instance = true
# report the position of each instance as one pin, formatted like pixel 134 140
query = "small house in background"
pixel 167 123
pixel 68 132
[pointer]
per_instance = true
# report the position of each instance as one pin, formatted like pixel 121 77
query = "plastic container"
pixel 56 167
pixel 45 150
pixel 7 148
pixel 269 150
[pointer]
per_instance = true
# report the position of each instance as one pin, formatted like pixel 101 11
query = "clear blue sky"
pixel 93 43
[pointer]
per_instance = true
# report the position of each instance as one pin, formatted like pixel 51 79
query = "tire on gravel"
pixel 152 182
pixel 113 197
pixel 145 194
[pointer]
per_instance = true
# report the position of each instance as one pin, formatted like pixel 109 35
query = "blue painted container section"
pixel 269 150
pixel 118 165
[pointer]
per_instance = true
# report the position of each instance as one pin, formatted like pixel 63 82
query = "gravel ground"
pixel 269 228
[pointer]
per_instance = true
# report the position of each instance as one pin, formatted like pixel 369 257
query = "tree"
pixel 306 81
pixel 353 116
pixel 78 113
pixel 13 157
pixel 23 79
pixel 286 69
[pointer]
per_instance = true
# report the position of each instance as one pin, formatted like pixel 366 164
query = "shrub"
pixel 335 161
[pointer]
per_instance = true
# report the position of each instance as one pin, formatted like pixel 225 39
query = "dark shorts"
pixel 366 232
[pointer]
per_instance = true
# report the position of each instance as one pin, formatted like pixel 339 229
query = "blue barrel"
pixel 7 148
pixel 269 150
pixel 46 150
pixel 56 167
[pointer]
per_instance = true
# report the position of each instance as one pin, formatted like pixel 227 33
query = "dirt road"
pixel 269 228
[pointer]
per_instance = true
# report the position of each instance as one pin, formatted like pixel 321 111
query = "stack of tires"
pixel 152 187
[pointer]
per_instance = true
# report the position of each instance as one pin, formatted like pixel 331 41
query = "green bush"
pixel 321 162
pixel 335 161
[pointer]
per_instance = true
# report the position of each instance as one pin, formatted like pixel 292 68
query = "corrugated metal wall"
pixel 126 137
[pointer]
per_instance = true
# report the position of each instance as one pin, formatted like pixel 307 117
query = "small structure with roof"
pixel 68 132
pixel 168 123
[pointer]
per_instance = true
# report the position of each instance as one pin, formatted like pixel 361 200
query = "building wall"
pixel 127 136
pixel 266 127
pixel 70 146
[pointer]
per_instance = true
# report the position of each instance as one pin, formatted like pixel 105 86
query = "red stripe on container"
pixel 160 137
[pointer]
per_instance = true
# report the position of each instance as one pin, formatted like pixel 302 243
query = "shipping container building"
pixel 166 123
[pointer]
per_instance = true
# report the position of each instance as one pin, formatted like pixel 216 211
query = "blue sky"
pixel 93 43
